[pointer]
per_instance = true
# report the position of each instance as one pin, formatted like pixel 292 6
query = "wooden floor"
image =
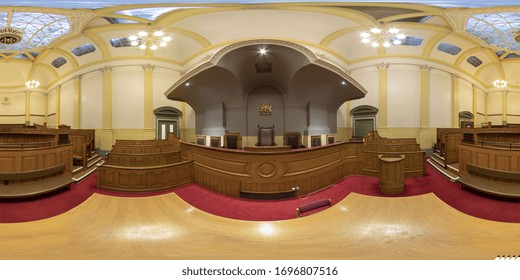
pixel 165 227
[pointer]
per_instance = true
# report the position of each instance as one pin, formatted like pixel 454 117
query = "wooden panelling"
pixel 136 160
pixel 150 178
pixel 413 163
pixel 26 160
pixel 489 157
pixel 230 171
pixel 135 149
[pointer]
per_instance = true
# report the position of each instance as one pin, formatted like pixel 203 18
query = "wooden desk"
pixel 267 148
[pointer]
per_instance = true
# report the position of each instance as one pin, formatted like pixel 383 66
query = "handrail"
pixel 509 145
pixel 28 145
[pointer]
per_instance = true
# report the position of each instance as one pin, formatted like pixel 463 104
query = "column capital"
pixel 454 76
pixel 106 68
pixel 27 93
pixel 148 67
pixel 425 67
pixel 382 66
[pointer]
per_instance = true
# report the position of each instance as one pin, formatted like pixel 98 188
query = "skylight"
pixel 475 61
pixel 449 48
pixel 497 30
pixel 24 30
pixel 58 62
pixel 148 13
pixel 83 50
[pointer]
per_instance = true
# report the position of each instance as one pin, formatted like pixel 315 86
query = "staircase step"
pixel 447 173
pixel 83 174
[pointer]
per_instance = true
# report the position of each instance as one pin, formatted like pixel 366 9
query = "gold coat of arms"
pixel 266 109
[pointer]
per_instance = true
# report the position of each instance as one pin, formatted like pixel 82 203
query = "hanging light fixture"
pixel 151 40
pixel 499 83
pixel 32 84
pixel 382 37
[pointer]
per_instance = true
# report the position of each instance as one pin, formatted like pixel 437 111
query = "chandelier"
pixel 32 84
pixel 10 35
pixel 151 40
pixel 382 37
pixel 499 83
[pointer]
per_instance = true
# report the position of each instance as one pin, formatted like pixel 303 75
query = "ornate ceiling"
pixel 60 38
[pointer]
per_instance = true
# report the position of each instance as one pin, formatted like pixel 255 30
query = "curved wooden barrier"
pixel 137 160
pixel 231 172
pixel 149 178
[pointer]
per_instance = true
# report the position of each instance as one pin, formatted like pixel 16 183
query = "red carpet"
pixel 470 203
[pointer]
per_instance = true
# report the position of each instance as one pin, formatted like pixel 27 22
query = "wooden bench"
pixel 267 195
pixel 34 182
pixel 313 206
pixel 491 181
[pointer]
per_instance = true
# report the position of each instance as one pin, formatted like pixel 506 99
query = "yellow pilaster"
pixel 475 104
pixel 426 135
pixel 455 100
pixel 486 107
pixel 107 97
pixel 149 131
pixel 504 107
pixel 77 102
pixel 425 93
pixel 148 96
pixel 383 98
pixel 57 116
pixel 106 134
pixel 27 107
pixel 46 118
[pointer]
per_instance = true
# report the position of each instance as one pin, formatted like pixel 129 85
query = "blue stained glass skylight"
pixel 37 29
pixel 148 13
pixel 496 29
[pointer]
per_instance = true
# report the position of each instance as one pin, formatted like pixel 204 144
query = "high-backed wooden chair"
pixel 293 139
pixel 265 136
pixel 201 140
pixel 315 140
pixel 214 141
pixel 330 139
pixel 232 141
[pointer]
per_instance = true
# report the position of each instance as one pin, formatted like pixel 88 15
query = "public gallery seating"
pixel 144 165
pixel 35 171
pixel 489 162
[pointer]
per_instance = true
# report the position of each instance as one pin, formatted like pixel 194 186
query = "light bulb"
pixel 375 44
pixel 365 40
pixel 365 34
pixel 153 47
pixel 386 44
pixel 375 30
pixel 393 30
pixel 142 47
pixel 142 33
pixel 158 33
pixel 132 38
